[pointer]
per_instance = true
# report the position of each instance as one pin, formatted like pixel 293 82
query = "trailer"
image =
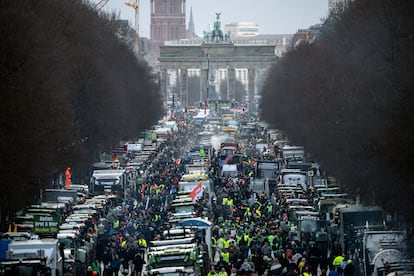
pixel 33 257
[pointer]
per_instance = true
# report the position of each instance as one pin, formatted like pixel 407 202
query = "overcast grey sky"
pixel 272 16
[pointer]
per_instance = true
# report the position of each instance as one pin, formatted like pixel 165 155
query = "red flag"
pixel 228 158
pixel 195 193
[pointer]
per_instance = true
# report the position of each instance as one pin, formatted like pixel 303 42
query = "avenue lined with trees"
pixel 347 98
pixel 69 89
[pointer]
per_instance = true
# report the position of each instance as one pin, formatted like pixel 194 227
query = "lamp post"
pixel 207 83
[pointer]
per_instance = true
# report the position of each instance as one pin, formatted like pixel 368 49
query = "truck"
pixel 293 153
pixel 175 253
pixel 307 227
pixel 109 181
pixel 77 252
pixel 294 177
pixel 33 257
pixel 354 220
pixel 383 253
pixel 60 195
pixel 229 170
pixel 265 176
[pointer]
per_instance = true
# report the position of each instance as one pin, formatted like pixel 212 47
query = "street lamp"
pixel 207 83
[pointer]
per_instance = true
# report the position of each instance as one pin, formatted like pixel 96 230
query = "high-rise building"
pixel 168 20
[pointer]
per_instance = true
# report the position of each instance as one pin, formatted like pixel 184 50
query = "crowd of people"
pixel 250 233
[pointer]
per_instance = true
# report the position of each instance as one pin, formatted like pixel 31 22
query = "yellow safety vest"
pixel 116 224
pixel 220 243
pixel 226 243
pixel 226 257
pixel 142 242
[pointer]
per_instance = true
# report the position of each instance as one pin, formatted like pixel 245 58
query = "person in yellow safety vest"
pixel 301 265
pixel 156 218
pixel 223 272
pixel 246 239
pixel 213 245
pixel 224 201
pixel 225 255
pixel 269 208
pixel 248 213
pixel 226 244
pixel 212 272
pixel 124 243
pixel 115 224
pixel 230 202
pixel 271 238
pixel 213 241
pixel 337 262
pixel 220 243
pixel 142 242
pixel 258 212
pixel 238 238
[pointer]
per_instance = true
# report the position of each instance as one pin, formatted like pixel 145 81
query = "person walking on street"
pixel 96 266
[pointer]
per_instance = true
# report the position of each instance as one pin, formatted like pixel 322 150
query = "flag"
pixel 228 158
pixel 197 191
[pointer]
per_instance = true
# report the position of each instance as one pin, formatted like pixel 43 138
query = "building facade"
pixel 242 29
pixel 168 20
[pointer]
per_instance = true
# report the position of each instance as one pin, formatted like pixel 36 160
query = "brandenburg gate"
pixel 218 52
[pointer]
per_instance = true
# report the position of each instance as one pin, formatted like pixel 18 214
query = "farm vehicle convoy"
pixel 61 234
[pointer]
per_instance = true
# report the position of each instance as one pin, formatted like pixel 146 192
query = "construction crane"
pixel 98 6
pixel 135 6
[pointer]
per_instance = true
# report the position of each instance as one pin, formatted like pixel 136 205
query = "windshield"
pixel 68 243
pixel 231 123
pixel 107 181
pixel 184 209
pixel 308 226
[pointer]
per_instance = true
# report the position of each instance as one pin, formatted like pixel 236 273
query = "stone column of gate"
pixel 203 84
pixel 184 86
pixel 251 75
pixel 231 75
pixel 163 83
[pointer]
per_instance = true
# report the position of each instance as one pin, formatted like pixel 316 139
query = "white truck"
pixel 294 177
pixel 33 257
pixel 265 176
pixel 78 253
pixel 109 181
pixel 293 152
